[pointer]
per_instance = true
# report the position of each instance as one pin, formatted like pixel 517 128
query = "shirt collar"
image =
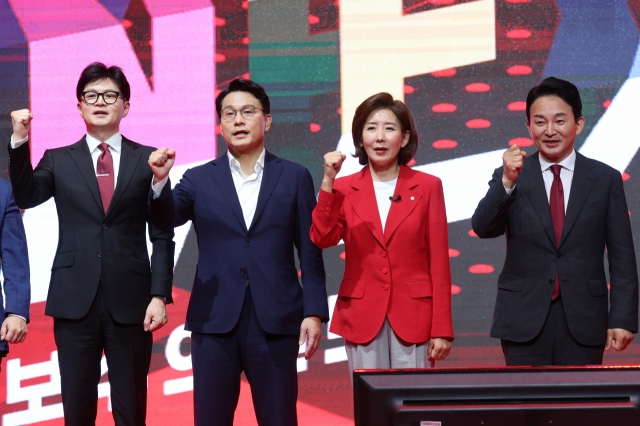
pixel 568 163
pixel 114 142
pixel 235 164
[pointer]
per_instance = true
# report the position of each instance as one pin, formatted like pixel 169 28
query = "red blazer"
pixel 402 274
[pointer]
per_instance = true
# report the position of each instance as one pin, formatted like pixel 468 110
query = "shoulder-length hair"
pixel 384 101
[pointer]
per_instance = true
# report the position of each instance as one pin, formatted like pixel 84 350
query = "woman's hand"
pixel 332 164
pixel 438 349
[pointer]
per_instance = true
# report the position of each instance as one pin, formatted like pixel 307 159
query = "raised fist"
pixel 513 160
pixel 160 162
pixel 21 120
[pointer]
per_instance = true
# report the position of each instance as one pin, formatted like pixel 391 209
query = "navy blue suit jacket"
pixel 15 260
pixel 229 253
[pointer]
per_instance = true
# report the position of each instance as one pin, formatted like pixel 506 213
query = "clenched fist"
pixel 513 160
pixel 332 164
pixel 160 162
pixel 21 121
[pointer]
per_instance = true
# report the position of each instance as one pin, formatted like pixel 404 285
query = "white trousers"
pixel 386 350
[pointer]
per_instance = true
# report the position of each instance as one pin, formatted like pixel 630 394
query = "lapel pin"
pixel 412 198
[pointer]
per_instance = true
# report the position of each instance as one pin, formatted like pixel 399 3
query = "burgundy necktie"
pixel 104 173
pixel 556 204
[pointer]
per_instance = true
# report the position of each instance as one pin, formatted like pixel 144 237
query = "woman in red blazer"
pixel 394 302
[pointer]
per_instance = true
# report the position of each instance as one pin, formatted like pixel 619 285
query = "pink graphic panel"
pixel 159 8
pixel 179 112
pixel 41 19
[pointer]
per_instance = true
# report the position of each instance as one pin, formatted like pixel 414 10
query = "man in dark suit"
pixel 103 294
pixel 560 211
pixel 15 270
pixel 248 311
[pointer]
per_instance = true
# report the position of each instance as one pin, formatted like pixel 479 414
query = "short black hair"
pixel 245 85
pixel 99 71
pixel 377 102
pixel 565 90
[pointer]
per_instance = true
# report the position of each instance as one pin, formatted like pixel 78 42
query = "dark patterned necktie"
pixel 104 174
pixel 556 204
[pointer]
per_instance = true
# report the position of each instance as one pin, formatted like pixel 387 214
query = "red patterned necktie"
pixel 556 204
pixel 104 174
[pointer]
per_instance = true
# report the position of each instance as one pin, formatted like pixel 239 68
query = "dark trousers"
pixel 554 345
pixel 268 361
pixel 128 351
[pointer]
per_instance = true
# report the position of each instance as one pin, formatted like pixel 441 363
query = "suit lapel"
pixel 80 154
pixel 399 211
pixel 129 159
pixel 270 175
pixel 531 183
pixel 222 176
pixel 363 201
pixel 581 185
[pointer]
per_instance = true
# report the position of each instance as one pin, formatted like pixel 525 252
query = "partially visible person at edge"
pixel 394 302
pixel 14 309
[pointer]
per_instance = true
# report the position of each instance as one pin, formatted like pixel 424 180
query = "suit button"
pixel 328 203
pixel 559 254
pixel 383 253
pixel 552 281
pixel 386 287
pixel 327 214
pixel 248 239
pixel 104 226
pixel 99 254
pixel 243 270
pixel 385 270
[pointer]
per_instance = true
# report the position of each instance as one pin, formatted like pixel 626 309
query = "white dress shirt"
pixel 566 175
pixel 247 187
pixel 115 147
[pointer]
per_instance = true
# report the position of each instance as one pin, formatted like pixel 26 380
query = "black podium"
pixel 507 396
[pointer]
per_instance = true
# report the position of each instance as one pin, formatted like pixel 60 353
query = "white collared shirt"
pixel 115 147
pixel 566 175
pixel 247 188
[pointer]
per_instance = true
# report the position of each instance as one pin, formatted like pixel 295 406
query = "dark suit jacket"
pixel 92 244
pixel 596 218
pixel 229 252
pixel 15 260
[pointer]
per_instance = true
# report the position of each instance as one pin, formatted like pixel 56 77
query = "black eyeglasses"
pixel 247 112
pixel 110 97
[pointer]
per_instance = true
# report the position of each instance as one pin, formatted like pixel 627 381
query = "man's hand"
pixel 332 164
pixel 311 331
pixel 513 160
pixel 156 315
pixel 21 121
pixel 438 349
pixel 618 339
pixel 13 330
pixel 160 162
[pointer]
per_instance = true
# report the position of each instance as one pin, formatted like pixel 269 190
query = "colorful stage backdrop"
pixel 463 67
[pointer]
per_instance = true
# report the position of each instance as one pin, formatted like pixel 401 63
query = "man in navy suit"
pixel 15 269
pixel 559 210
pixel 248 312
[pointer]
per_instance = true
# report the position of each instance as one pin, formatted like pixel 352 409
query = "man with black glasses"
pixel 103 294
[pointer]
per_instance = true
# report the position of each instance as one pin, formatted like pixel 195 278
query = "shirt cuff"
pixel 510 190
pixel 16 315
pixel 157 188
pixel 17 144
